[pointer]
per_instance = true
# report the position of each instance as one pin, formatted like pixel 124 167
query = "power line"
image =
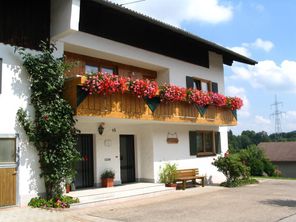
pixel 132 2
pixel 277 115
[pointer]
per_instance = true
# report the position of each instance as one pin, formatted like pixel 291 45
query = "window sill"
pixel 205 154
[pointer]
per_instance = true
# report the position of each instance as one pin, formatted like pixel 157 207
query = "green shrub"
pixel 239 182
pixel 254 158
pixel 269 168
pixel 55 202
pixel 168 173
pixel 108 174
pixel 232 167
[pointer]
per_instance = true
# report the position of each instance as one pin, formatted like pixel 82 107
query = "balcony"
pixel 128 106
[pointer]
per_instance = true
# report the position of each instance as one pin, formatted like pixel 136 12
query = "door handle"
pixel 14 173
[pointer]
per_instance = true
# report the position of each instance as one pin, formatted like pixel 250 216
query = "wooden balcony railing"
pixel 128 106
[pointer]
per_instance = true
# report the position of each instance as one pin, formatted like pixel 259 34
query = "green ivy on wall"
pixel 52 130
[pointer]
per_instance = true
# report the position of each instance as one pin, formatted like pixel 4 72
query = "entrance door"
pixel 7 171
pixel 85 167
pixel 127 159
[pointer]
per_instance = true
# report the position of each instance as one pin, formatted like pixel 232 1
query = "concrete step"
pixel 117 192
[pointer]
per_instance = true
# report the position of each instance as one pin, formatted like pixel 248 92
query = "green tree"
pixel 261 137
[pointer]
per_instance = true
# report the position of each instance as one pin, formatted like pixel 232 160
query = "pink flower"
pixel 217 99
pixel 110 84
pixel 172 93
pixel 199 98
pixel 143 88
pixel 234 103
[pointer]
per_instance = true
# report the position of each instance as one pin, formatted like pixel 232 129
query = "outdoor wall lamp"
pixel 101 128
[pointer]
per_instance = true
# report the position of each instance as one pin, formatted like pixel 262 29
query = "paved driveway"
pixel 271 200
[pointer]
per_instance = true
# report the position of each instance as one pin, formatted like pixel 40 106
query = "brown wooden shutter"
pixel 192 143
pixel 218 142
pixel 189 82
pixel 214 87
pixel 197 84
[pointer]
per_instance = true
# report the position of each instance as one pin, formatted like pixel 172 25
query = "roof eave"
pixel 229 56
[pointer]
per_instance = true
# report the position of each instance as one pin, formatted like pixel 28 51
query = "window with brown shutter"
pixel 201 84
pixel 204 143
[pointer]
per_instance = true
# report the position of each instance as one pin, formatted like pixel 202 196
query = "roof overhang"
pixel 112 21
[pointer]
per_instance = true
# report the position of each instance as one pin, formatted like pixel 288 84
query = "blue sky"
pixel 261 29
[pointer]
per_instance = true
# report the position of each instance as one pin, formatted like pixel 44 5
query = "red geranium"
pixel 110 84
pixel 218 99
pixel 199 98
pixel 143 88
pixel 172 93
pixel 105 84
pixel 234 103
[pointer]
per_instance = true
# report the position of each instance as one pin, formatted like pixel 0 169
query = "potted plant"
pixel 68 182
pixel 107 178
pixel 168 175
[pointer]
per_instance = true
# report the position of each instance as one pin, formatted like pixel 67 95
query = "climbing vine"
pixel 52 130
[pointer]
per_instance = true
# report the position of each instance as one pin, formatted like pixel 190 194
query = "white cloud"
pixel 292 114
pixel 261 120
pixel 267 74
pixel 240 92
pixel 175 12
pixel 245 48
pixel 240 72
pixel 258 124
pixel 259 43
pixel 289 121
pixel 261 123
pixel 241 50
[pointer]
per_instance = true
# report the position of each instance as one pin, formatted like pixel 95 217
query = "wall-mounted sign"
pixel 172 138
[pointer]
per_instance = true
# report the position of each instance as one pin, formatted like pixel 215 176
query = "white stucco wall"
pixel 15 94
pixel 169 69
pixel 64 17
pixel 107 149
pixel 151 148
pixel 180 153
pixel 146 155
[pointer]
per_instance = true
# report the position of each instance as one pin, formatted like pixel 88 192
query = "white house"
pixel 134 141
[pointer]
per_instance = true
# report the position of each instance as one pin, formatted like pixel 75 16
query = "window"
pixel 204 143
pixel 7 150
pixel 201 84
pixel 0 75
pixel 109 70
pixel 89 69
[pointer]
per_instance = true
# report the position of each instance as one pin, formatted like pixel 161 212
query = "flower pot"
pixel 107 182
pixel 68 188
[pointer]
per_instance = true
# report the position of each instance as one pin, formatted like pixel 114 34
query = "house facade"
pixel 119 132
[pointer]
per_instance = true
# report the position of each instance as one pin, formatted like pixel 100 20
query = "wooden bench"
pixel 189 175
